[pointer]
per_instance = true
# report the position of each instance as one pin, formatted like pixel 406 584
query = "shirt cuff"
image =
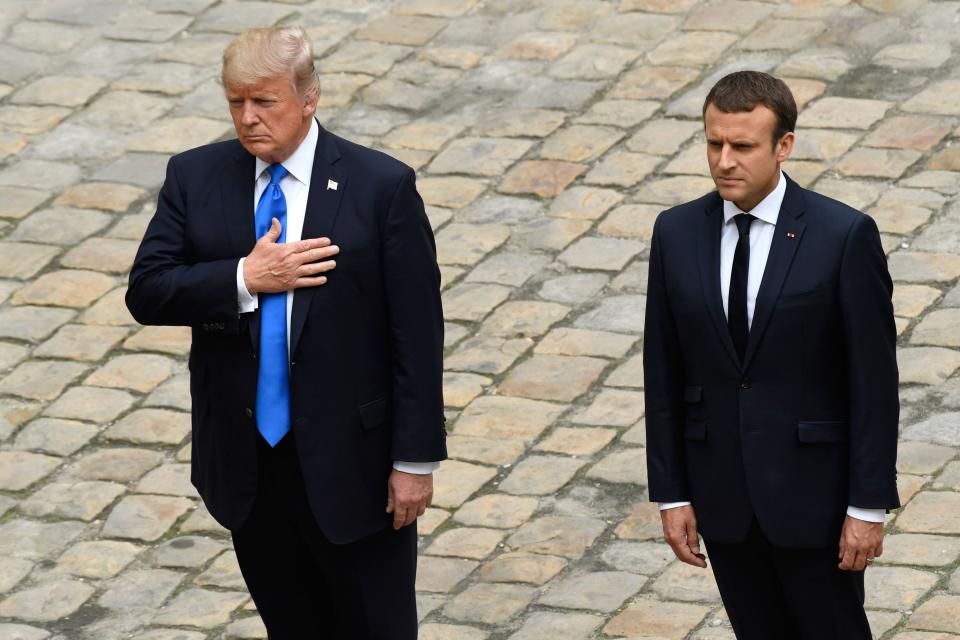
pixel 246 302
pixel 418 468
pixel 867 515
pixel 673 505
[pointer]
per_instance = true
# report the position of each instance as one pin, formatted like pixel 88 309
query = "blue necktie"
pixel 273 377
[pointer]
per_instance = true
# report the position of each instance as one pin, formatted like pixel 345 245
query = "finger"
pixel 389 500
pixel 319 253
pixel 273 232
pixel 860 561
pixel 399 516
pixel 693 541
pixel 316 267
pixel 421 510
pixel 308 244
pixel 847 560
pixel 314 281
pixel 411 517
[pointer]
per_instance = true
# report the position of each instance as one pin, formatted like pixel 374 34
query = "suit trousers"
pixel 307 588
pixel 787 594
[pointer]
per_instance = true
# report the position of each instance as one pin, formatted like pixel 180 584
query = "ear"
pixel 785 146
pixel 310 103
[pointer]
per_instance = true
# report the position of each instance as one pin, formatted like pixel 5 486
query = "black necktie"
pixel 737 299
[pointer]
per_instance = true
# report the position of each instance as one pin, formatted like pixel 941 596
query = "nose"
pixel 248 114
pixel 727 160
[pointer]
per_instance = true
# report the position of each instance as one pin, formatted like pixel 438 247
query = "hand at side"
pixel 680 532
pixel 860 543
pixel 273 267
pixel 408 496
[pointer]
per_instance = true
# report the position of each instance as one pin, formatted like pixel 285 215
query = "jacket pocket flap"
pixel 823 432
pixel 695 431
pixel 373 414
pixel 692 394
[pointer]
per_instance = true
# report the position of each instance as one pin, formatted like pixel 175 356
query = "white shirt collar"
pixel 300 162
pixel 767 209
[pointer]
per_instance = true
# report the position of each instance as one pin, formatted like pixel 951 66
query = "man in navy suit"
pixel 771 380
pixel 306 267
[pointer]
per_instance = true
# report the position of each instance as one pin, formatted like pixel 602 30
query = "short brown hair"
pixel 742 91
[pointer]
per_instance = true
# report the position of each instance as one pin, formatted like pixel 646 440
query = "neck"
pixel 747 205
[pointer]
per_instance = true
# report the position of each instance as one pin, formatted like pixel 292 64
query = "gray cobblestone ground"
pixel 547 135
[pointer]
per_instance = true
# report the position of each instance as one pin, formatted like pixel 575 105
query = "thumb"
pixel 692 540
pixel 273 232
pixel 389 498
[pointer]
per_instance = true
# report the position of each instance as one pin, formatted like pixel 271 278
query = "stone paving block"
pixel 486 450
pixel 931 512
pixel 65 288
pixel 899 219
pixel 41 379
pixel 169 78
pixel 573 16
pixel 581 441
pixel 396 94
pixel 918 549
pixel 691 49
pixel 619 113
pixel 524 318
pixel 593 61
pixel 60 225
pixel 638 557
pixel 579 143
pixel 60 91
pixel 453 192
pixel 168 479
pixel 926 365
pixel 487 354
pixel 687 583
pixel 947 159
pixel 609 254
pixel 946 182
pixel 548 235
pixel 823 144
pixel 908 486
pixel 91 404
pixel 622 169
pixel 919 266
pixel 140 589
pixel 17 202
pixel 497 511
pixel 559 626
pixel 455 482
pixel 151 426
pixel 407 30
pixel 140 372
pixel 622 314
pixel 473 301
pixel 140 169
pixel 81 342
pixel 172 340
pixel 59 437
pixel 674 190
pixel 109 310
pixel 913 55
pixel 32 540
pixel 670 620
pixel 693 161
pixel 173 135
pixel 144 517
pixel 540 475
pixel 884 163
pixel 949 478
pixel 935 99
pixel 11 354
pixel 23 260
pixel 601 591
pixel 552 377
pixel 843 113
pixel 459 389
pixel 47 602
pixel 939 613
pixel 483 156
pixel 425 135
pixel 14 413
pixel 584 342
pixel 821 63
pixel 938 328
pixel 663 136
pixel 97 559
pixel 585 203
pixel 919 133
pixel 499 417
pixel 440 8
pixel 728 15
pixel 781 35
pixel 922 457
pixel 613 407
pixel 544 178
pixel 81 500
pixel 223 572
pixel 436 631
pixel 186 552
pixel 442 575
pixel 631 221
pixel 489 603
pixel 625 466
pixel 431 520
pixel 512 269
pixel 573 288
pixel 643 523
pixel 30 120
pixel 519 566
pixel 537 123
pixel 224 18
pixel 466 542
pixel 943 428
pixel 12 571
pixel 363 57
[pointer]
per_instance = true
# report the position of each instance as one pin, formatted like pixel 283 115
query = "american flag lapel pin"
pixel 791 234
pixel 331 185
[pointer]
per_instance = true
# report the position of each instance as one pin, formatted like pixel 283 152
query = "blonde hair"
pixel 270 52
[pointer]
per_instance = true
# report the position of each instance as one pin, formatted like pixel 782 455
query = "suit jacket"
pixel 365 348
pixel 807 423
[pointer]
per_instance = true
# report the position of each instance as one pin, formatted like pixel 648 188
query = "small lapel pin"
pixel 331 185
pixel 791 234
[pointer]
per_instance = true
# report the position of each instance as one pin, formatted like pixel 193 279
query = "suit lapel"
pixel 786 238
pixel 708 259
pixel 323 204
pixel 236 193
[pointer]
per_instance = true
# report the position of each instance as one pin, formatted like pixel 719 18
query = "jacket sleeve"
pixel 663 385
pixel 872 380
pixel 415 317
pixel 167 287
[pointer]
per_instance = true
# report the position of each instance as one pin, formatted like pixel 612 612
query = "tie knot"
pixel 276 171
pixel 743 221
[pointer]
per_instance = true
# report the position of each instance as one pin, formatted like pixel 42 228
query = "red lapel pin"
pixel 791 234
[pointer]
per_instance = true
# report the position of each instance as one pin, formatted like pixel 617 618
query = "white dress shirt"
pixel 296 187
pixel 761 237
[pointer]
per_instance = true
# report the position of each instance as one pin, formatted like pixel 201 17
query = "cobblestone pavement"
pixel 547 135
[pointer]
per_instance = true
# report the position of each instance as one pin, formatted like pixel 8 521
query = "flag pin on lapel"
pixel 791 234
pixel 331 185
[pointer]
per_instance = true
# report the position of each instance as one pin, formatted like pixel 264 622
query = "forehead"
pixel 276 85
pixel 760 122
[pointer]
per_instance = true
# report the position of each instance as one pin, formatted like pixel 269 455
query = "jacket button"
pixel 248 412
pixel 745 384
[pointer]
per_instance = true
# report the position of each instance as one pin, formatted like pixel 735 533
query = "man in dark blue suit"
pixel 771 380
pixel 316 382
